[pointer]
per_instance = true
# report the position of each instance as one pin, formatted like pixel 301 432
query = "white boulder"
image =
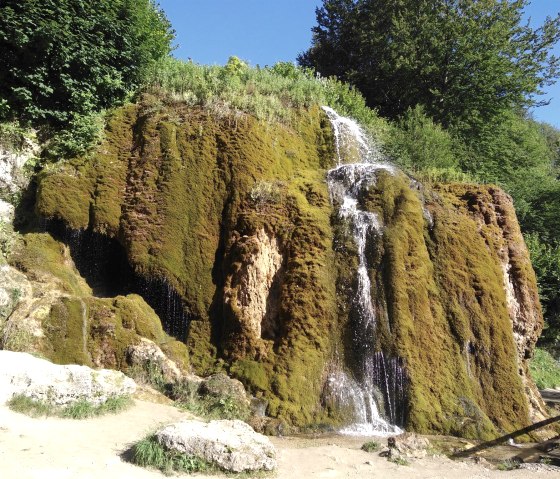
pixel 231 445
pixel 39 379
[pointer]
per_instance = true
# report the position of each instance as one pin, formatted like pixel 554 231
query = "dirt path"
pixel 66 449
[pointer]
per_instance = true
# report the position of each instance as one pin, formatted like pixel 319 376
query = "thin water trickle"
pixel 358 162
pixel 84 327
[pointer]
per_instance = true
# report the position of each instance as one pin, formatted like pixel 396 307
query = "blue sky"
pixel 263 32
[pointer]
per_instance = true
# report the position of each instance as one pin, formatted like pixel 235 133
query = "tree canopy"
pixel 62 58
pixel 464 61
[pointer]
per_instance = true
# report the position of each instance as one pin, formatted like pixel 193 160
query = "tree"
pixel 65 58
pixel 464 61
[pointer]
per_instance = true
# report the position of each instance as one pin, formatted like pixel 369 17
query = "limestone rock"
pixel 231 445
pixel 254 288
pixel 6 212
pixel 22 373
pixel 12 160
pixel 408 445
pixel 14 287
pixel 221 385
pixel 147 351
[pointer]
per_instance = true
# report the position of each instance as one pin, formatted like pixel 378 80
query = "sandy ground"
pixel 91 449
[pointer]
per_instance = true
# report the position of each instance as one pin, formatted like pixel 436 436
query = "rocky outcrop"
pixel 496 221
pixel 41 380
pixel 230 222
pixel 253 289
pixel 48 309
pixel 146 353
pixel 13 157
pixel 230 445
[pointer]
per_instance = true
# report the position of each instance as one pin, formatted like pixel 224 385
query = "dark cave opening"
pixel 102 262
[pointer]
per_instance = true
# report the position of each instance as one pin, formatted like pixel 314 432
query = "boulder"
pixel 408 445
pixel 39 379
pixel 220 385
pixel 146 351
pixel 231 445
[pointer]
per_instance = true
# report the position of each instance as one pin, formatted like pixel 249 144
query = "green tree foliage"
pixel 546 262
pixel 419 144
pixel 62 59
pixel 465 61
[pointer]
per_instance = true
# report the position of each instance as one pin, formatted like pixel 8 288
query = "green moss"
pixel 253 373
pixel 44 259
pixel 173 185
pixel 442 308
pixel 66 332
pixel 184 191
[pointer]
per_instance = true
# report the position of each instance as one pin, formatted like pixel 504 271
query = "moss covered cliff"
pixel 455 280
pixel 231 219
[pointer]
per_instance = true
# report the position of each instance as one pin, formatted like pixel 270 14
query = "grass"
pixel 149 373
pixel 79 410
pixel 214 408
pixel 371 446
pixel 150 453
pixel 507 465
pixel 186 397
pixel 269 93
pixel 545 370
pixel 399 461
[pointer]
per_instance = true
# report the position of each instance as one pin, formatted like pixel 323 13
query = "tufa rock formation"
pixel 226 228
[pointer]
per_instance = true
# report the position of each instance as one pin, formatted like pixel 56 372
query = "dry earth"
pixel 91 449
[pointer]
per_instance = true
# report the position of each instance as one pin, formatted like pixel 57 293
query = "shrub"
pixel 149 373
pixel 370 446
pixel 507 465
pixel 545 370
pixel 419 144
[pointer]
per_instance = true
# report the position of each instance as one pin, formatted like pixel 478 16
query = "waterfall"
pixel 377 379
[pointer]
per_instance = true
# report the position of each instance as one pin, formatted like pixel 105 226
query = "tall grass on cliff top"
pixel 269 93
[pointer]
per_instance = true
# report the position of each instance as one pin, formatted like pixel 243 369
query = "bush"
pixel 149 373
pixel 419 144
pixel 370 446
pixel 187 396
pixel 545 370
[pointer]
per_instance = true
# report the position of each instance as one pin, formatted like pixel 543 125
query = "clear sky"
pixel 263 32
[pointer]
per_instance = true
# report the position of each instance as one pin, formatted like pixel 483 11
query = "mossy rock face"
pixel 78 328
pixel 183 191
pixel 235 216
pixel 440 276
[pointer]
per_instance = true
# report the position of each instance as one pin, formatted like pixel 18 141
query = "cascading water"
pixel 377 379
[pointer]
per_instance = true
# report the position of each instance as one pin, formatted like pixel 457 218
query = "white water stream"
pixel 358 162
